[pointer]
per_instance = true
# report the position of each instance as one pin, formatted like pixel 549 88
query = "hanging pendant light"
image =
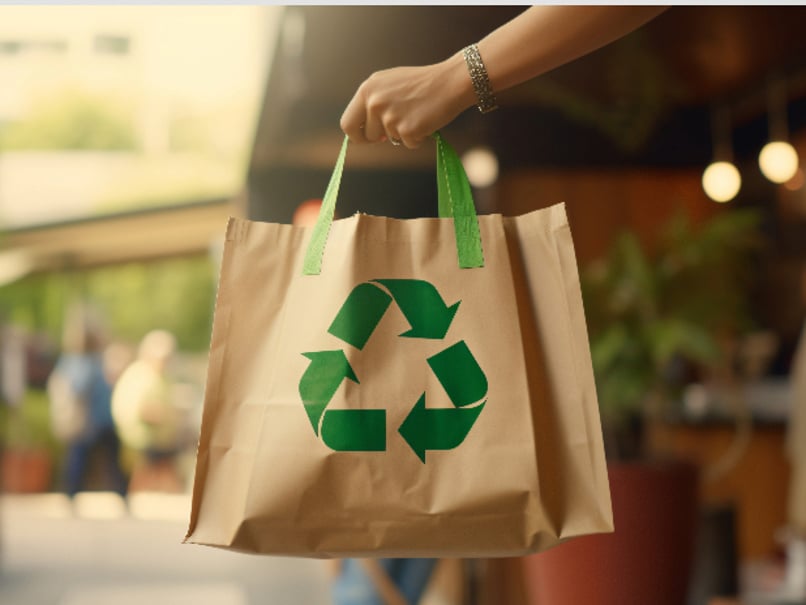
pixel 721 180
pixel 778 160
pixel 481 166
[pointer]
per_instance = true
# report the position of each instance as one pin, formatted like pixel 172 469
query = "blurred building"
pixel 177 87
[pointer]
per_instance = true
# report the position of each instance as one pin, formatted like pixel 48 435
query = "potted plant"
pixel 656 319
pixel 29 449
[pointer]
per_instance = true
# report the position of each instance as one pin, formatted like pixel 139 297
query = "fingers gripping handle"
pixel 455 200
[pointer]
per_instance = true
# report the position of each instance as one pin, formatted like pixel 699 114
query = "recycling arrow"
pixel 455 367
pixel 355 430
pixel 422 307
pixel 445 428
pixel 360 313
pixel 342 430
pixel 460 375
pixel 437 428
pixel 321 381
pixel 418 300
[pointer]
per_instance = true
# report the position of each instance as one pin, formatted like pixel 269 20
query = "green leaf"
pixel 671 337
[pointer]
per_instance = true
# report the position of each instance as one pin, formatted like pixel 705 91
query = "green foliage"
pixel 28 426
pixel 37 302
pixel 176 295
pixel 72 121
pixel 647 311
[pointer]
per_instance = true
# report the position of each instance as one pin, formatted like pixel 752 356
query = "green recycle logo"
pixel 455 367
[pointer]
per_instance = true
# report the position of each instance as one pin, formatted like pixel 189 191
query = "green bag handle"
pixel 455 200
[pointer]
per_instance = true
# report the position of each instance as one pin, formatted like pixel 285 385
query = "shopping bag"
pixel 386 387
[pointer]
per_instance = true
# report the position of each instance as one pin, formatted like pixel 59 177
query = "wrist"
pixel 458 78
pixel 485 99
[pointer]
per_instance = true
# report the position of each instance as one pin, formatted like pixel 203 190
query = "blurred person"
pixel 146 417
pixel 406 105
pixel 80 403
pixel 13 370
pixel 117 357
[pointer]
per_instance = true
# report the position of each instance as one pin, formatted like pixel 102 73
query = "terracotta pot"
pixel 26 471
pixel 647 559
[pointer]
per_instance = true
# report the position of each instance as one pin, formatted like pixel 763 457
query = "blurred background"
pixel 128 135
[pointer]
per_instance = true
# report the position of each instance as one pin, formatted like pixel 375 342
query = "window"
pixel 14 47
pixel 105 44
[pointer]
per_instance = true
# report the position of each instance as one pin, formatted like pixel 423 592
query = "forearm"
pixel 545 37
pixel 409 103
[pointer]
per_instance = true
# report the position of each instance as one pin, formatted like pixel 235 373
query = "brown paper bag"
pixel 366 396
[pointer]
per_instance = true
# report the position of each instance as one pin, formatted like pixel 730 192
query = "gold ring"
pixel 395 141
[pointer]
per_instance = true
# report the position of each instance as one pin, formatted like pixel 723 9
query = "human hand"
pixel 408 104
